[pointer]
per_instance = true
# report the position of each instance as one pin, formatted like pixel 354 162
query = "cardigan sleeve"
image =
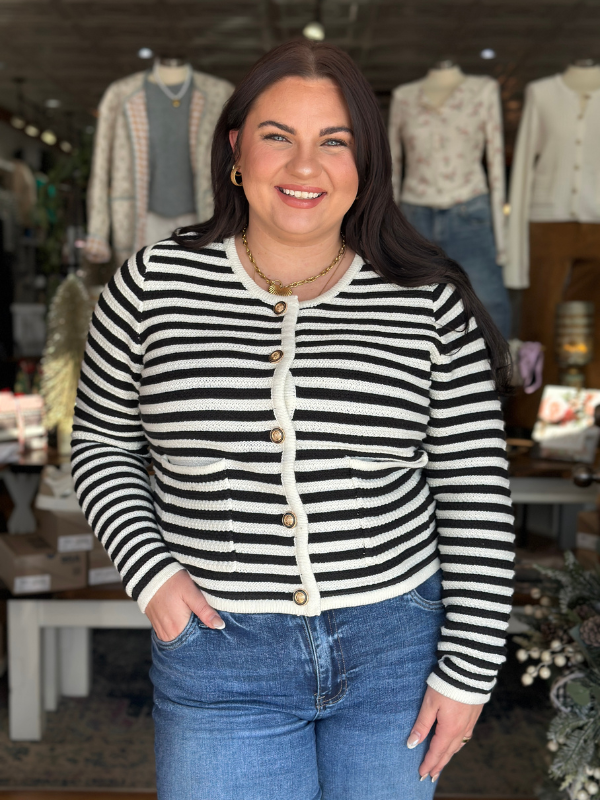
pixel 494 156
pixel 109 450
pixel 516 271
pixel 468 477
pixel 97 247
pixel 395 138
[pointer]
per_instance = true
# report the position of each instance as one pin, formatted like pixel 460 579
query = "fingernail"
pixel 433 780
pixel 424 776
pixel 218 623
pixel 413 740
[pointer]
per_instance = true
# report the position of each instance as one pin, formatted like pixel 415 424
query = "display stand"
pixel 22 479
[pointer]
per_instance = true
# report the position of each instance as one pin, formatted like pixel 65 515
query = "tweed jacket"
pixel 118 191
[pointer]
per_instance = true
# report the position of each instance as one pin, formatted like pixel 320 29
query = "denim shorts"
pixel 465 233
pixel 286 707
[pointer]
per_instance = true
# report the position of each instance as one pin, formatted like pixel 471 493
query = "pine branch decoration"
pixel 564 637
pixel 68 323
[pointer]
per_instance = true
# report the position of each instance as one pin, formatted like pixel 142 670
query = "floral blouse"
pixel 444 146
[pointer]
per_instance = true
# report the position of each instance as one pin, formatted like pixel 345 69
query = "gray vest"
pixel 171 191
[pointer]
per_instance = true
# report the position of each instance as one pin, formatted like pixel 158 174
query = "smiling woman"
pixel 325 551
pixel 300 179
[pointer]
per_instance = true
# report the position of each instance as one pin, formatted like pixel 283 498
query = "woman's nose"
pixel 304 163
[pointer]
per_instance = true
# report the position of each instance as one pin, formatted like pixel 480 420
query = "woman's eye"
pixel 276 137
pixel 337 142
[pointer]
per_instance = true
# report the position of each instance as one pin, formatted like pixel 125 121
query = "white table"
pixel 49 654
pixel 563 495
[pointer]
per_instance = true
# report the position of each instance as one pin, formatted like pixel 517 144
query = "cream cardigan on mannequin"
pixel 555 176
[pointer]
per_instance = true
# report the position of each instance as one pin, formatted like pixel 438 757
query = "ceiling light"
pixel 314 31
pixel 18 122
pixel 49 137
pixel 145 52
pixel 31 130
pixel 66 147
pixel 52 102
pixel 488 53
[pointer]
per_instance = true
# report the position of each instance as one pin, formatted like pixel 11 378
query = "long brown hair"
pixel 374 226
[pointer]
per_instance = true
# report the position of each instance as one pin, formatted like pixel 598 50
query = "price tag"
pixel 30 584
pixel 75 543
pixel 103 575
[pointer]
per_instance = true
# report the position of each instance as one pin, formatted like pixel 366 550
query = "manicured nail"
pixel 434 779
pixel 424 776
pixel 413 740
pixel 218 623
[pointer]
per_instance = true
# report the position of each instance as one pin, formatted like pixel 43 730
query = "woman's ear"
pixel 233 135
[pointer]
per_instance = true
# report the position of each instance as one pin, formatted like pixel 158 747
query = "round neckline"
pixel 262 294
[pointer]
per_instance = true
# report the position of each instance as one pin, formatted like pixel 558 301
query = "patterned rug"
pixel 104 741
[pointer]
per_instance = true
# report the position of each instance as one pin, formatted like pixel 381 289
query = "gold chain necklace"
pixel 275 286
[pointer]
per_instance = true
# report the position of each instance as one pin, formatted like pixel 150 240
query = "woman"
pixel 316 387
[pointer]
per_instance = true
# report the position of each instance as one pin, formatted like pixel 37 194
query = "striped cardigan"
pixel 307 455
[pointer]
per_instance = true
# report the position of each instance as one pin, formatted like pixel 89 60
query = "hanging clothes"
pixel 555 175
pixel 120 177
pixel 443 147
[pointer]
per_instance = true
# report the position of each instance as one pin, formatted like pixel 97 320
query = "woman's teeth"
pixel 302 195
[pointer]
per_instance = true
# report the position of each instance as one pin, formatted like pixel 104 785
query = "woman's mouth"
pixel 300 195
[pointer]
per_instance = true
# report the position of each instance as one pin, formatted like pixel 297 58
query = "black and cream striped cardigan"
pixel 307 455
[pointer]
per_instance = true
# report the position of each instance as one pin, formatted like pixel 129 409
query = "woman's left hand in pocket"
pixel 455 722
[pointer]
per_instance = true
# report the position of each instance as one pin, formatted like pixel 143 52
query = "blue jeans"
pixel 465 233
pixel 285 707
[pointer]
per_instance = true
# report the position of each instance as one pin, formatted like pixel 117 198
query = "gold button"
pixel 289 520
pixel 277 436
pixel 280 307
pixel 577 166
pixel 300 597
pixel 577 141
pixel 574 191
pixel 276 356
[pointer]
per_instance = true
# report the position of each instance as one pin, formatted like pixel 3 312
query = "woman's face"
pixel 298 138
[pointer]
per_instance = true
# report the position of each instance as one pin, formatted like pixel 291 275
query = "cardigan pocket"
pixel 381 486
pixel 192 500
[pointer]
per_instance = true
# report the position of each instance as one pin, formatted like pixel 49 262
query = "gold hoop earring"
pixel 234 176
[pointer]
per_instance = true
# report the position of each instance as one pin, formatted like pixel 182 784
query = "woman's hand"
pixel 170 609
pixel 454 722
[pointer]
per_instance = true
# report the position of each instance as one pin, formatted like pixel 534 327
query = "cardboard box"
pixel 587 540
pixel 101 570
pixel 65 531
pixel 28 565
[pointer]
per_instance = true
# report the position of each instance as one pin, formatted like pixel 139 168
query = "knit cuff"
pixel 454 693
pixel 157 581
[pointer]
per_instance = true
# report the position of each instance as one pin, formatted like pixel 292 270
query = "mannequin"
pixel 171 70
pixel 151 163
pixel 583 77
pixel 554 223
pixel 441 81
pixel 440 127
